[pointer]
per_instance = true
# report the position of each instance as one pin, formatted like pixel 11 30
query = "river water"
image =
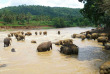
pixel 26 60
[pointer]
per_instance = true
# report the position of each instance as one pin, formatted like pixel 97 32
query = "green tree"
pixel 96 11
pixel 59 22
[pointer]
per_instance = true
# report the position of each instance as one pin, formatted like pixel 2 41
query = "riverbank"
pixel 2 28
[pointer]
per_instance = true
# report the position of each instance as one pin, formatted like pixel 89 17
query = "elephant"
pixel 28 33
pixel 68 50
pixel 83 37
pixel 45 32
pixel 88 36
pixel 109 36
pixel 20 37
pixel 67 42
pixel 105 68
pixel 88 32
pixel 94 36
pixel 22 33
pixel 33 41
pixel 7 41
pixel 35 33
pixel 78 35
pixel 45 46
pixel 16 35
pixel 82 33
pixel 103 40
pixel 58 32
pixel 107 47
pixel 64 42
pixel 60 42
pixel 103 34
pixel 40 33
pixel 12 34
pixel 74 35
pixel 9 35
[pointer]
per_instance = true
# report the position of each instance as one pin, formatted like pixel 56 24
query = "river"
pixel 26 60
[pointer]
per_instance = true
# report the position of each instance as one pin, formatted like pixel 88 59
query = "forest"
pixel 35 15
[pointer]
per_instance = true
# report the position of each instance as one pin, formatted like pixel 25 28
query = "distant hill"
pixel 44 10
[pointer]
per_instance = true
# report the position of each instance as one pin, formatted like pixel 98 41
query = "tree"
pixel 59 22
pixel 96 11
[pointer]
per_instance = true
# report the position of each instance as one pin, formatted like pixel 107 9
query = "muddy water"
pixel 27 61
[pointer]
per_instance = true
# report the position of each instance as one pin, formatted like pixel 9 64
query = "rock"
pixel 13 50
pixel 2 65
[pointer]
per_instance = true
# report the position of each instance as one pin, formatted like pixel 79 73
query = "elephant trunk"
pixel 51 47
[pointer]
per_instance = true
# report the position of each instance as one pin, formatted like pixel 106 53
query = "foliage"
pixel 97 11
pixel 41 15
pixel 59 22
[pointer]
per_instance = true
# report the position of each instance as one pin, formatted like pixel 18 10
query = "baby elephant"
pixel 7 42
pixel 45 46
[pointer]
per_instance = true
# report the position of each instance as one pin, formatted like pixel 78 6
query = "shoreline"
pixel 12 28
pixel 3 28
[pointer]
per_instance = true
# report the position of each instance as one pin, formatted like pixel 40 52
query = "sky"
pixel 51 3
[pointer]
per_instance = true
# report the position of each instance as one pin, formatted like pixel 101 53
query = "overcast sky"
pixel 52 3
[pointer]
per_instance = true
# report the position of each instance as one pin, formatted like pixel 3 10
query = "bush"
pixel 59 22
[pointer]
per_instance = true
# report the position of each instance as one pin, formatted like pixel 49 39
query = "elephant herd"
pixel 100 37
pixel 67 46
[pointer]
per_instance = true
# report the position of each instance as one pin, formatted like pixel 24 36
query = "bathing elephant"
pixel 35 33
pixel 33 41
pixel 9 35
pixel 67 42
pixel 12 34
pixel 83 37
pixel 88 36
pixel 102 39
pixel 45 46
pixel 103 34
pixel 60 42
pixel 20 37
pixel 40 33
pixel 64 42
pixel 7 42
pixel 22 33
pixel 78 35
pixel 68 50
pixel 28 33
pixel 45 32
pixel 74 35
pixel 83 33
pixel 94 36
pixel 16 35
pixel 88 32
pixel 105 68
pixel 107 46
pixel 58 32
